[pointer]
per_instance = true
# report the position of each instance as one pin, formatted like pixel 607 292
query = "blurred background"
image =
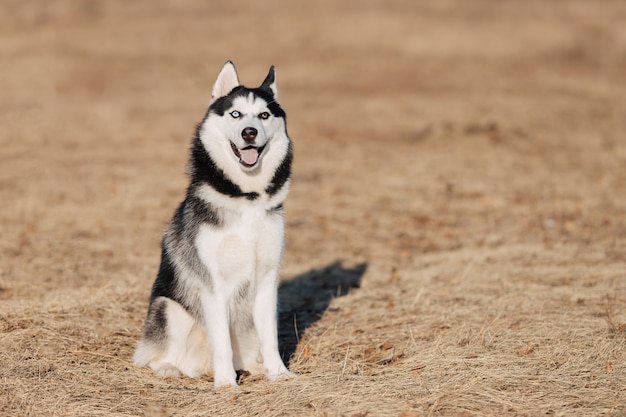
pixel 394 106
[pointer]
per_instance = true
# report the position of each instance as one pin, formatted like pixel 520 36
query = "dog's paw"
pixel 281 375
pixel 225 381
pixel 167 371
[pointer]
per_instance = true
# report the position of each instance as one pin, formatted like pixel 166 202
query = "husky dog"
pixel 213 303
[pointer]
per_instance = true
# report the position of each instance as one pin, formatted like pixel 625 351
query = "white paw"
pixel 219 383
pixel 167 371
pixel 280 375
pixel 225 380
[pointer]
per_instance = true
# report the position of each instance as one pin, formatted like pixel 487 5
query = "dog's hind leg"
pixel 246 353
pixel 172 344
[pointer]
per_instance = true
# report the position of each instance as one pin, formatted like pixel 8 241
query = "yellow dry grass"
pixel 456 230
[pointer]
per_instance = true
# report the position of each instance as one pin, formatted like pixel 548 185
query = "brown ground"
pixel 462 163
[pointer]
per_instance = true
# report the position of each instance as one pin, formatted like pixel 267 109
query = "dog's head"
pixel 244 125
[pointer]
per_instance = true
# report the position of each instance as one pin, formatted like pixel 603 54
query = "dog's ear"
pixel 269 84
pixel 226 81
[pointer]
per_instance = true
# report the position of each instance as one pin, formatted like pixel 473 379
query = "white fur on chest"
pixel 245 248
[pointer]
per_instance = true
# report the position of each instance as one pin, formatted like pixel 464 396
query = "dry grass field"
pixel 456 229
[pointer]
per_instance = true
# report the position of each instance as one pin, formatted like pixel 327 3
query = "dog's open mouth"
pixel 249 155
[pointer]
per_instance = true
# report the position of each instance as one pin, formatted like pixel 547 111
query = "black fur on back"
pixel 178 242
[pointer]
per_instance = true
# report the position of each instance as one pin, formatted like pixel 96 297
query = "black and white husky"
pixel 213 303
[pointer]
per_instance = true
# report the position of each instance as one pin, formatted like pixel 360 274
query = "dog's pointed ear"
pixel 226 81
pixel 269 84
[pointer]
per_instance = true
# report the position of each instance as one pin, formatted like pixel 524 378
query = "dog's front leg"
pixel 265 323
pixel 216 322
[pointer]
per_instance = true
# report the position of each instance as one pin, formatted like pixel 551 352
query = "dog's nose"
pixel 249 134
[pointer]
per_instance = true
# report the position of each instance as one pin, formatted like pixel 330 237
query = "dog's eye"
pixel 265 115
pixel 235 114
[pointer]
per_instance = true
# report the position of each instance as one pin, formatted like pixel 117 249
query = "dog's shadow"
pixel 304 298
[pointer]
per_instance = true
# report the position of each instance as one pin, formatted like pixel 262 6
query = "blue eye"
pixel 235 114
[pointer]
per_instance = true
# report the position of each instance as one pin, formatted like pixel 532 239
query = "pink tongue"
pixel 249 156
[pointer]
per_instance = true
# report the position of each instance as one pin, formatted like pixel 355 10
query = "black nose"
pixel 249 134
